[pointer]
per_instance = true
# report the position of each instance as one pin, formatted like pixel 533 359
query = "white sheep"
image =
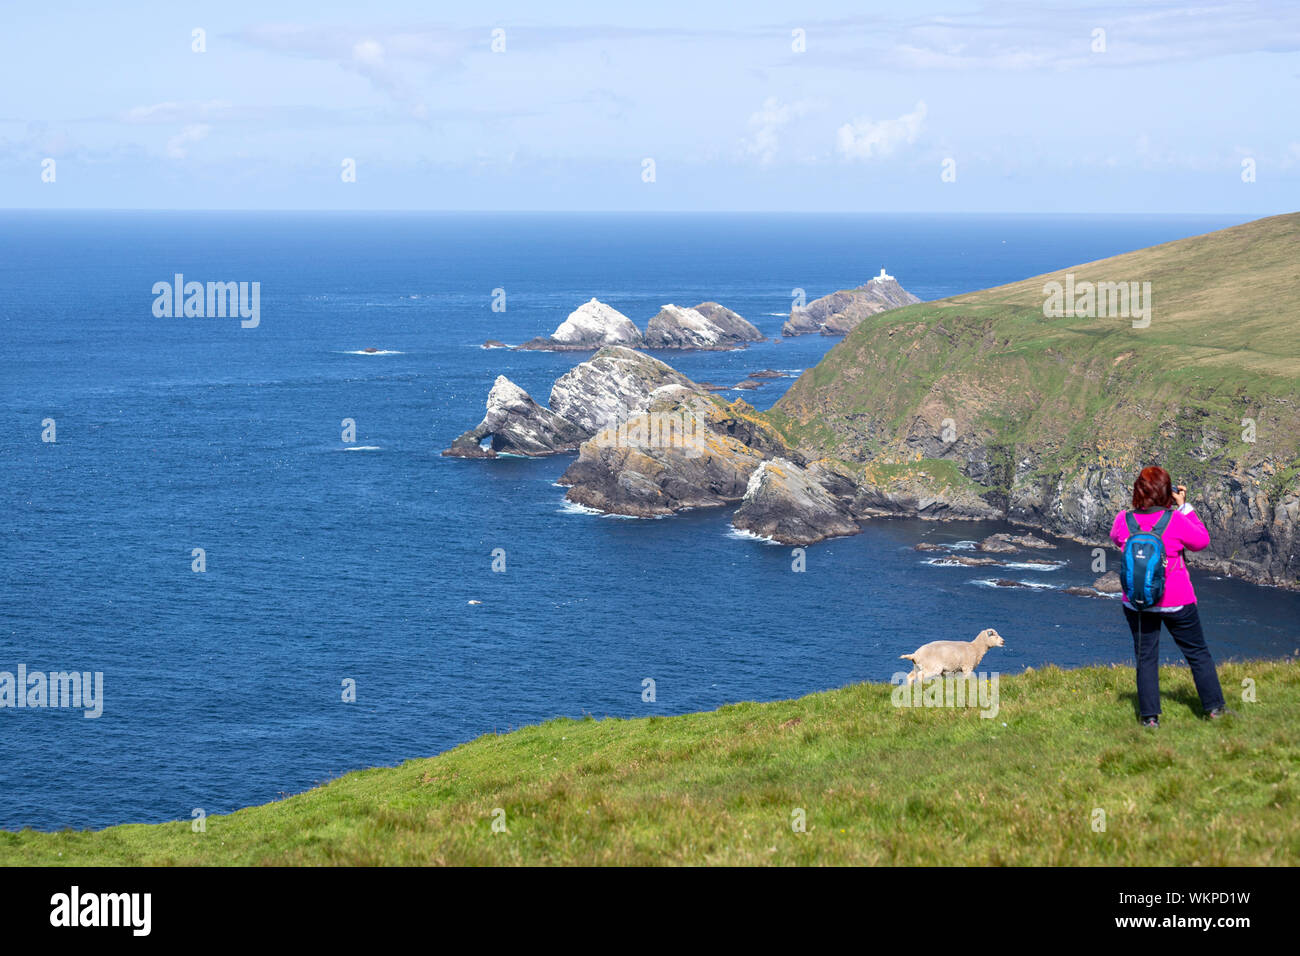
pixel 945 657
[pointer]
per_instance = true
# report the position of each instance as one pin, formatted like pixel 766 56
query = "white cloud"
pixel 767 123
pixel 178 145
pixel 385 58
pixel 865 139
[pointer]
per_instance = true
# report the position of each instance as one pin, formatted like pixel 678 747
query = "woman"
pixel 1153 495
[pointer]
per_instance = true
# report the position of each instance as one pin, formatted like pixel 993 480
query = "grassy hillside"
pixel 879 784
pixel 1225 326
pixel 1049 409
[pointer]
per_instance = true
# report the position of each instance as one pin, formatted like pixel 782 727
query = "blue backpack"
pixel 1142 566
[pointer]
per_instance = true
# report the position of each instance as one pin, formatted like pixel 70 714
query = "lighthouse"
pixel 883 277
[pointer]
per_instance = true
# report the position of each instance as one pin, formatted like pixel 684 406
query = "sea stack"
pixel 590 326
pixel 707 326
pixel 516 425
pixel 840 312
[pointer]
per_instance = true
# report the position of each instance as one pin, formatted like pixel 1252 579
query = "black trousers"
pixel 1185 628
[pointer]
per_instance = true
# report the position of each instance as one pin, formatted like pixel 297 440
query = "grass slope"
pixel 879 785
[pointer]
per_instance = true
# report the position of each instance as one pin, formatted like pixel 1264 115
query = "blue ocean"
pixel 334 565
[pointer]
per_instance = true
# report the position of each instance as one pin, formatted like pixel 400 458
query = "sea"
pixel 250 532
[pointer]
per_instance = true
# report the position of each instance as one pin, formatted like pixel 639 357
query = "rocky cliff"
pixel 790 505
pixel 996 402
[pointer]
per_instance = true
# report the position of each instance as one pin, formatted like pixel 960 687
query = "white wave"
pixel 1026 566
pixel 362 448
pixel 742 535
pixel 376 352
pixel 781 314
pixel 1034 585
pixel 573 508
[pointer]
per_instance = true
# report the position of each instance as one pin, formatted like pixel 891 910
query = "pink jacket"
pixel 1184 532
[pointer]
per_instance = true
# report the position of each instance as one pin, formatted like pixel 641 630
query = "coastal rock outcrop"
pixel 1106 586
pixel 840 312
pixel 612 386
pixel 882 492
pixel 675 456
pixel 1004 543
pixel 1109 583
pixel 707 326
pixel 785 503
pixel 589 326
pixel 516 425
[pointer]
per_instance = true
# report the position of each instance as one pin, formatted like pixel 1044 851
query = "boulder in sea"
pixel 785 503
pixel 494 344
pixel 1029 541
pixel 1003 543
pixel 1109 583
pixel 967 561
pixel 997 544
pixel 516 425
pixel 840 312
pixel 590 326
pixel 1083 591
pixel 767 373
pixel 611 386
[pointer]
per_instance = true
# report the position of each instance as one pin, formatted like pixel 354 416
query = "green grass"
pixel 878 784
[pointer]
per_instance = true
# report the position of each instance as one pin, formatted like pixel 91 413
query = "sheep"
pixel 944 657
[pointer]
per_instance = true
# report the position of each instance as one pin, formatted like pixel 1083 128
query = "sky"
pixel 931 106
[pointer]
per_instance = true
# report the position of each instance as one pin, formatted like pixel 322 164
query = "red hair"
pixel 1153 489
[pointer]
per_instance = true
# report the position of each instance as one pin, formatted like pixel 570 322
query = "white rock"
pixel 614 384
pixel 596 323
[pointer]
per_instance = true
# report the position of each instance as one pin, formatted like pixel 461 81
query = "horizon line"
pixel 625 212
